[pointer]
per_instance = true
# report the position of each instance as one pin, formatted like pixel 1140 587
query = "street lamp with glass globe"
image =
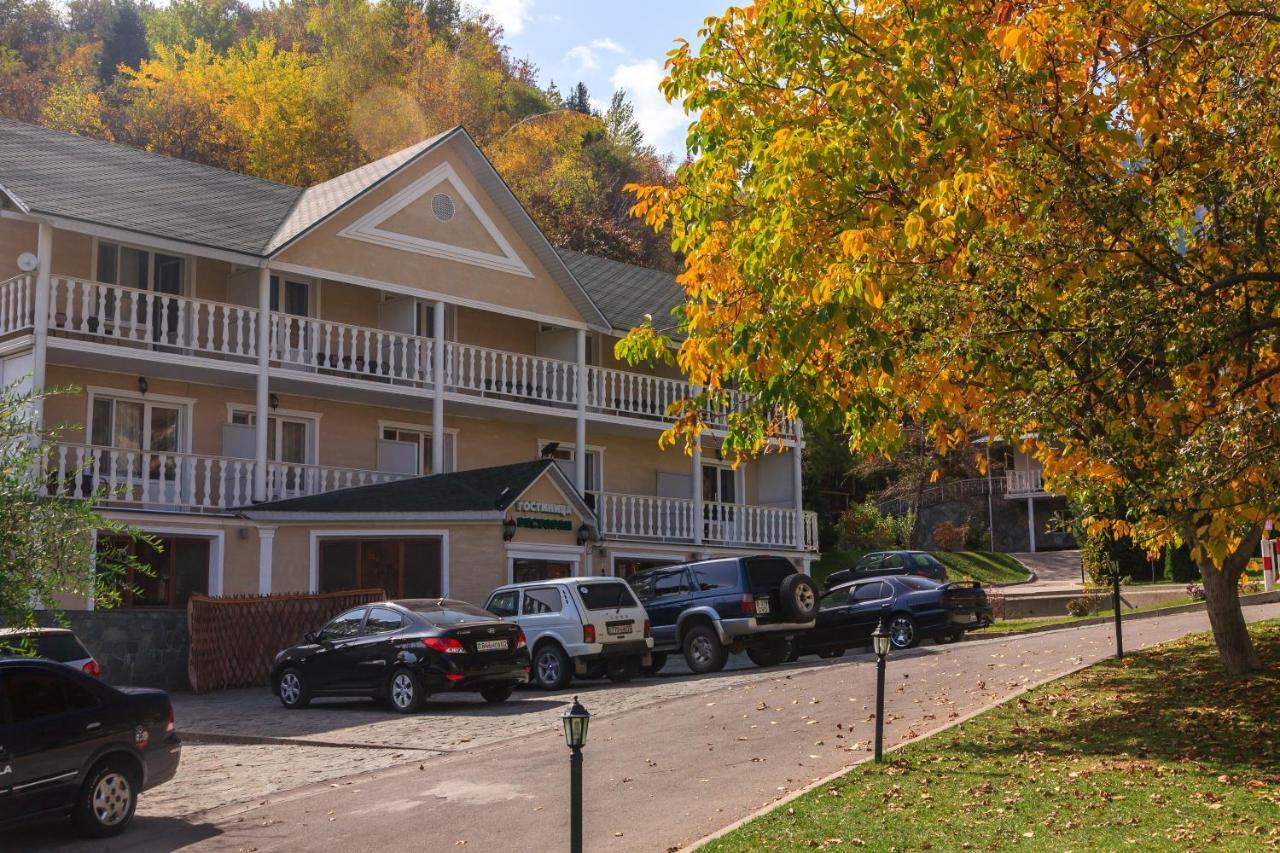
pixel 881 643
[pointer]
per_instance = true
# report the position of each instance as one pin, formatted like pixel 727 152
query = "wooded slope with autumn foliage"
pixel 300 91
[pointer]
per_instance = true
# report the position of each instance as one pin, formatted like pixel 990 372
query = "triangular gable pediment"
pixel 437 215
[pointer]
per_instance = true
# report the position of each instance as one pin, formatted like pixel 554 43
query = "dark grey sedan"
pixel 882 563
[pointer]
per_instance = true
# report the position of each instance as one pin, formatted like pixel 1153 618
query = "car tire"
pixel 622 670
pixel 949 637
pixel 107 799
pixel 793 651
pixel 703 651
pixel 659 660
pixel 496 694
pixel 292 688
pixel 551 667
pixel 799 597
pixel 404 691
pixel 769 653
pixel 828 654
pixel 902 631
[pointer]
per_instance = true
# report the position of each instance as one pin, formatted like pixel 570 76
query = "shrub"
pixel 1082 606
pixel 979 537
pixel 1195 591
pixel 863 528
pixel 1178 565
pixel 950 537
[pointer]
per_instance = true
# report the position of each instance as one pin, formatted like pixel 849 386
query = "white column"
pixel 261 406
pixel 580 424
pixel 437 382
pixel 1031 522
pixel 797 483
pixel 40 342
pixel 266 538
pixel 698 512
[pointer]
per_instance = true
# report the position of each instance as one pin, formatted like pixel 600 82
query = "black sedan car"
pixel 71 745
pixel 881 563
pixel 403 651
pixel 911 607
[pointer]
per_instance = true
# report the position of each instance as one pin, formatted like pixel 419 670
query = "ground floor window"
pixel 625 567
pixel 404 567
pixel 524 570
pixel 179 566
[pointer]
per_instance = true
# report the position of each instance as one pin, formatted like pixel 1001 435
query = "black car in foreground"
pixel 912 608
pixel 881 563
pixel 71 745
pixel 403 651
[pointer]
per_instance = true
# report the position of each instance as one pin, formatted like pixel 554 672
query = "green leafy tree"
pixel 124 43
pixel 621 126
pixel 47 549
pixel 579 99
pixel 216 22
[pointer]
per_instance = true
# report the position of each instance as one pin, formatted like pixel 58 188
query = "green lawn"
pixel 1161 751
pixel 1014 626
pixel 961 565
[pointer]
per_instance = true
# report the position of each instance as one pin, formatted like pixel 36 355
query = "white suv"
pixel 587 627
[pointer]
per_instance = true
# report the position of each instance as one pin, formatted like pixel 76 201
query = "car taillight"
pixel 444 645
pixel 520 641
pixel 168 727
pixel 748 605
pixel 92 668
pixel 648 629
pixel 921 574
pixel 588 633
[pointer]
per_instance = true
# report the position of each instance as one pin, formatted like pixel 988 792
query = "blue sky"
pixel 608 45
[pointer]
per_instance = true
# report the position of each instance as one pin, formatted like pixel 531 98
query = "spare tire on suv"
pixel 798 597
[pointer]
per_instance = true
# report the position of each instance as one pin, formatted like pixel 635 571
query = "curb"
pixel 261 740
pixel 1245 601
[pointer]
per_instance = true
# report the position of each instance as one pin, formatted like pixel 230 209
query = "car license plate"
pixel 618 629
pixel 966 618
pixel 762 606
pixel 491 645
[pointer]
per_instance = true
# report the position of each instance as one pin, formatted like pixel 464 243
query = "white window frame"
pixel 313 292
pixel 312 420
pixel 185 406
pixel 188 264
pixel 739 480
pixel 380 533
pixel 576 557
pixel 597 449
pixel 424 432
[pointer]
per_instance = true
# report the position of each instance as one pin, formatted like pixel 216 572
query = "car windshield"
pixel 453 614
pixel 59 647
pixel 921 561
pixel 606 596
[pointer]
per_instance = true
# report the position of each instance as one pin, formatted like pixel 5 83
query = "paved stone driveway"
pixel 241 745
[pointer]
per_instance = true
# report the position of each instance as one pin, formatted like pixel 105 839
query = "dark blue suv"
pixel 708 609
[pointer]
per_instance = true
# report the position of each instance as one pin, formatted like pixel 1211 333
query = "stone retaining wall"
pixel 138 648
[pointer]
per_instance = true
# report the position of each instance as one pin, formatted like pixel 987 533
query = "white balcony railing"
pixel 143 318
pixel 491 372
pixel 357 351
pixel 659 519
pixel 17 304
pixel 295 480
pixel 1023 482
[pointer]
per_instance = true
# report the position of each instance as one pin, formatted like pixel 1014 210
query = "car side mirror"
pixel 312 636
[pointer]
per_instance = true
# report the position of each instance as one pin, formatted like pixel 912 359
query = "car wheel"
pixel 949 637
pixel 770 653
pixel 107 800
pixel 497 693
pixel 551 667
pixel 293 690
pixel 404 691
pixel 902 632
pixel 831 653
pixel 793 651
pixel 799 597
pixel 621 670
pixel 703 651
pixel 659 660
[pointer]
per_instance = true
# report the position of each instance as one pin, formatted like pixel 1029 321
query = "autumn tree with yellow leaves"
pixel 1052 222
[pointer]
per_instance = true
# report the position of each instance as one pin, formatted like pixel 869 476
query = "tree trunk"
pixel 1222 601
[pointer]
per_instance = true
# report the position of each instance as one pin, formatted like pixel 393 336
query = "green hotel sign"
pixel 544 523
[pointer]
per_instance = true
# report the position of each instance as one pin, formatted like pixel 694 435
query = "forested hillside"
pixel 301 90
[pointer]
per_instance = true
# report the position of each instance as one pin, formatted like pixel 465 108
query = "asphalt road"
pixel 657 777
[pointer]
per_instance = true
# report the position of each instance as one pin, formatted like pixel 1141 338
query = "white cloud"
pixel 511 14
pixel 663 123
pixel 584 55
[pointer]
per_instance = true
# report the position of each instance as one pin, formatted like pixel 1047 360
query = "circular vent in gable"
pixel 442 207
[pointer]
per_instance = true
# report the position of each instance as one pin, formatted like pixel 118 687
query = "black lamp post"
pixel 575 735
pixel 880 642
pixel 1115 605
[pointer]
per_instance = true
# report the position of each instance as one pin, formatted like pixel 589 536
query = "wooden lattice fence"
pixel 234 639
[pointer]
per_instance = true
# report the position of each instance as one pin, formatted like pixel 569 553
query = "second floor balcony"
pixel 1024 483
pixel 146 325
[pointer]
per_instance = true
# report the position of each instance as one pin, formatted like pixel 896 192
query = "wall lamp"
pixel 508 530
pixel 142 384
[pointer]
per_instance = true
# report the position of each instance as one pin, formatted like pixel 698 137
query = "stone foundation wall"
pixel 136 648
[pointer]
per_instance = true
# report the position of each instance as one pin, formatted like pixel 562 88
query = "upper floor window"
pixel 422 440
pixel 136 424
pixel 566 459
pixel 296 299
pixel 290 438
pixel 146 270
